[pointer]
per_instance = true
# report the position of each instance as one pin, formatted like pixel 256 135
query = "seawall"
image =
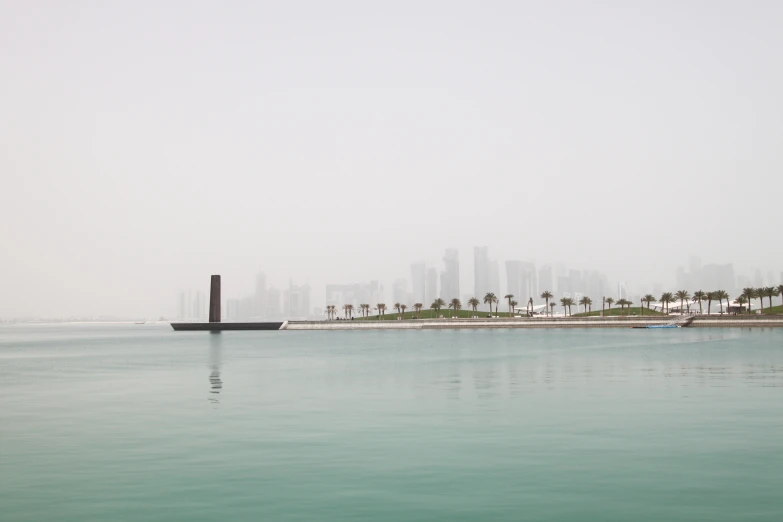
pixel 598 322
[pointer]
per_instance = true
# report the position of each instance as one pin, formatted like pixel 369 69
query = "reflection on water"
pixel 215 358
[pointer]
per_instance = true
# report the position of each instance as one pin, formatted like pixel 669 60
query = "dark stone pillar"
pixel 214 300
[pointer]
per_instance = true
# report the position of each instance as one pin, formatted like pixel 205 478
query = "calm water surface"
pixel 137 422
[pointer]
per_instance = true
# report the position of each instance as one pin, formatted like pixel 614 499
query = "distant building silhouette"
pixel 481 283
pixel 418 282
pixel 521 281
pixel 431 287
pixel 260 297
pixel 296 301
pixel 400 292
pixel 449 278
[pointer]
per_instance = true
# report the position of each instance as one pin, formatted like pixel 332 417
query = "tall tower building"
pixel 418 279
pixel 481 283
pixel 545 281
pixel 181 309
pixel 494 277
pixel 273 303
pixel 400 292
pixel 431 287
pixel 521 280
pixel 449 278
pixel 260 296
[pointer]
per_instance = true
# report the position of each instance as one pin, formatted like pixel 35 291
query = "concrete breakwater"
pixel 591 322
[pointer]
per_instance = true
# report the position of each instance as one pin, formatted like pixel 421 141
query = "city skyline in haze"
pixel 148 145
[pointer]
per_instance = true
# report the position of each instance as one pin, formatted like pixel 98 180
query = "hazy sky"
pixel 146 145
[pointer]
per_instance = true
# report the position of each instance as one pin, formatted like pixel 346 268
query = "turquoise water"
pixel 137 422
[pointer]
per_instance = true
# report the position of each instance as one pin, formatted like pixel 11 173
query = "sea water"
pixel 138 422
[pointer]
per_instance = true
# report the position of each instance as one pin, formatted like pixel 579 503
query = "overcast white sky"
pixel 145 145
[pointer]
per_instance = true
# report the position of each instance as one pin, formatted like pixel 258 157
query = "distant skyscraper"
pixel 431 290
pixel 718 277
pixel 260 296
pixel 481 282
pixel 181 308
pixel 400 292
pixel 564 286
pixel 355 294
pixel 622 290
pixel 449 278
pixel 232 310
pixel 418 280
pixel 494 277
pixel 545 281
pixel 521 281
pixel 273 303
pixel 577 285
pixel 296 301
pixel 199 307
pixel 596 285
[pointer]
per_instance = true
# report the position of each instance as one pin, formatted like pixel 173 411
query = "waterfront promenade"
pixel 561 322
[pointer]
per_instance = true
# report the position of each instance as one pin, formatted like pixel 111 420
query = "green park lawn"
pixel 431 314
pixel 771 311
pixel 611 312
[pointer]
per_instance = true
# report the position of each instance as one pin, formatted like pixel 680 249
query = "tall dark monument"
pixel 214 325
pixel 214 300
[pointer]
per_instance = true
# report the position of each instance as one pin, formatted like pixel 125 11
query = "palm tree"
pixel 381 310
pixel 513 306
pixel 622 302
pixel 749 294
pixel 564 302
pixel 474 304
pixel 403 308
pixel 589 305
pixel 629 304
pixel 397 307
pixel 490 298
pixel 779 288
pixel 741 300
pixel 711 296
pixel 546 294
pixel 609 301
pixel 649 298
pixel 530 305
pixel 456 304
pixel 760 297
pixel 570 303
pixel 682 295
pixel 770 292
pixel 417 307
pixel 583 302
pixel 509 297
pixel 437 304
pixel 667 298
pixel 699 296
pixel 720 295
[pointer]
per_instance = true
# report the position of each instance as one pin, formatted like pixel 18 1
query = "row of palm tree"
pixel 760 293
pixel 683 296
